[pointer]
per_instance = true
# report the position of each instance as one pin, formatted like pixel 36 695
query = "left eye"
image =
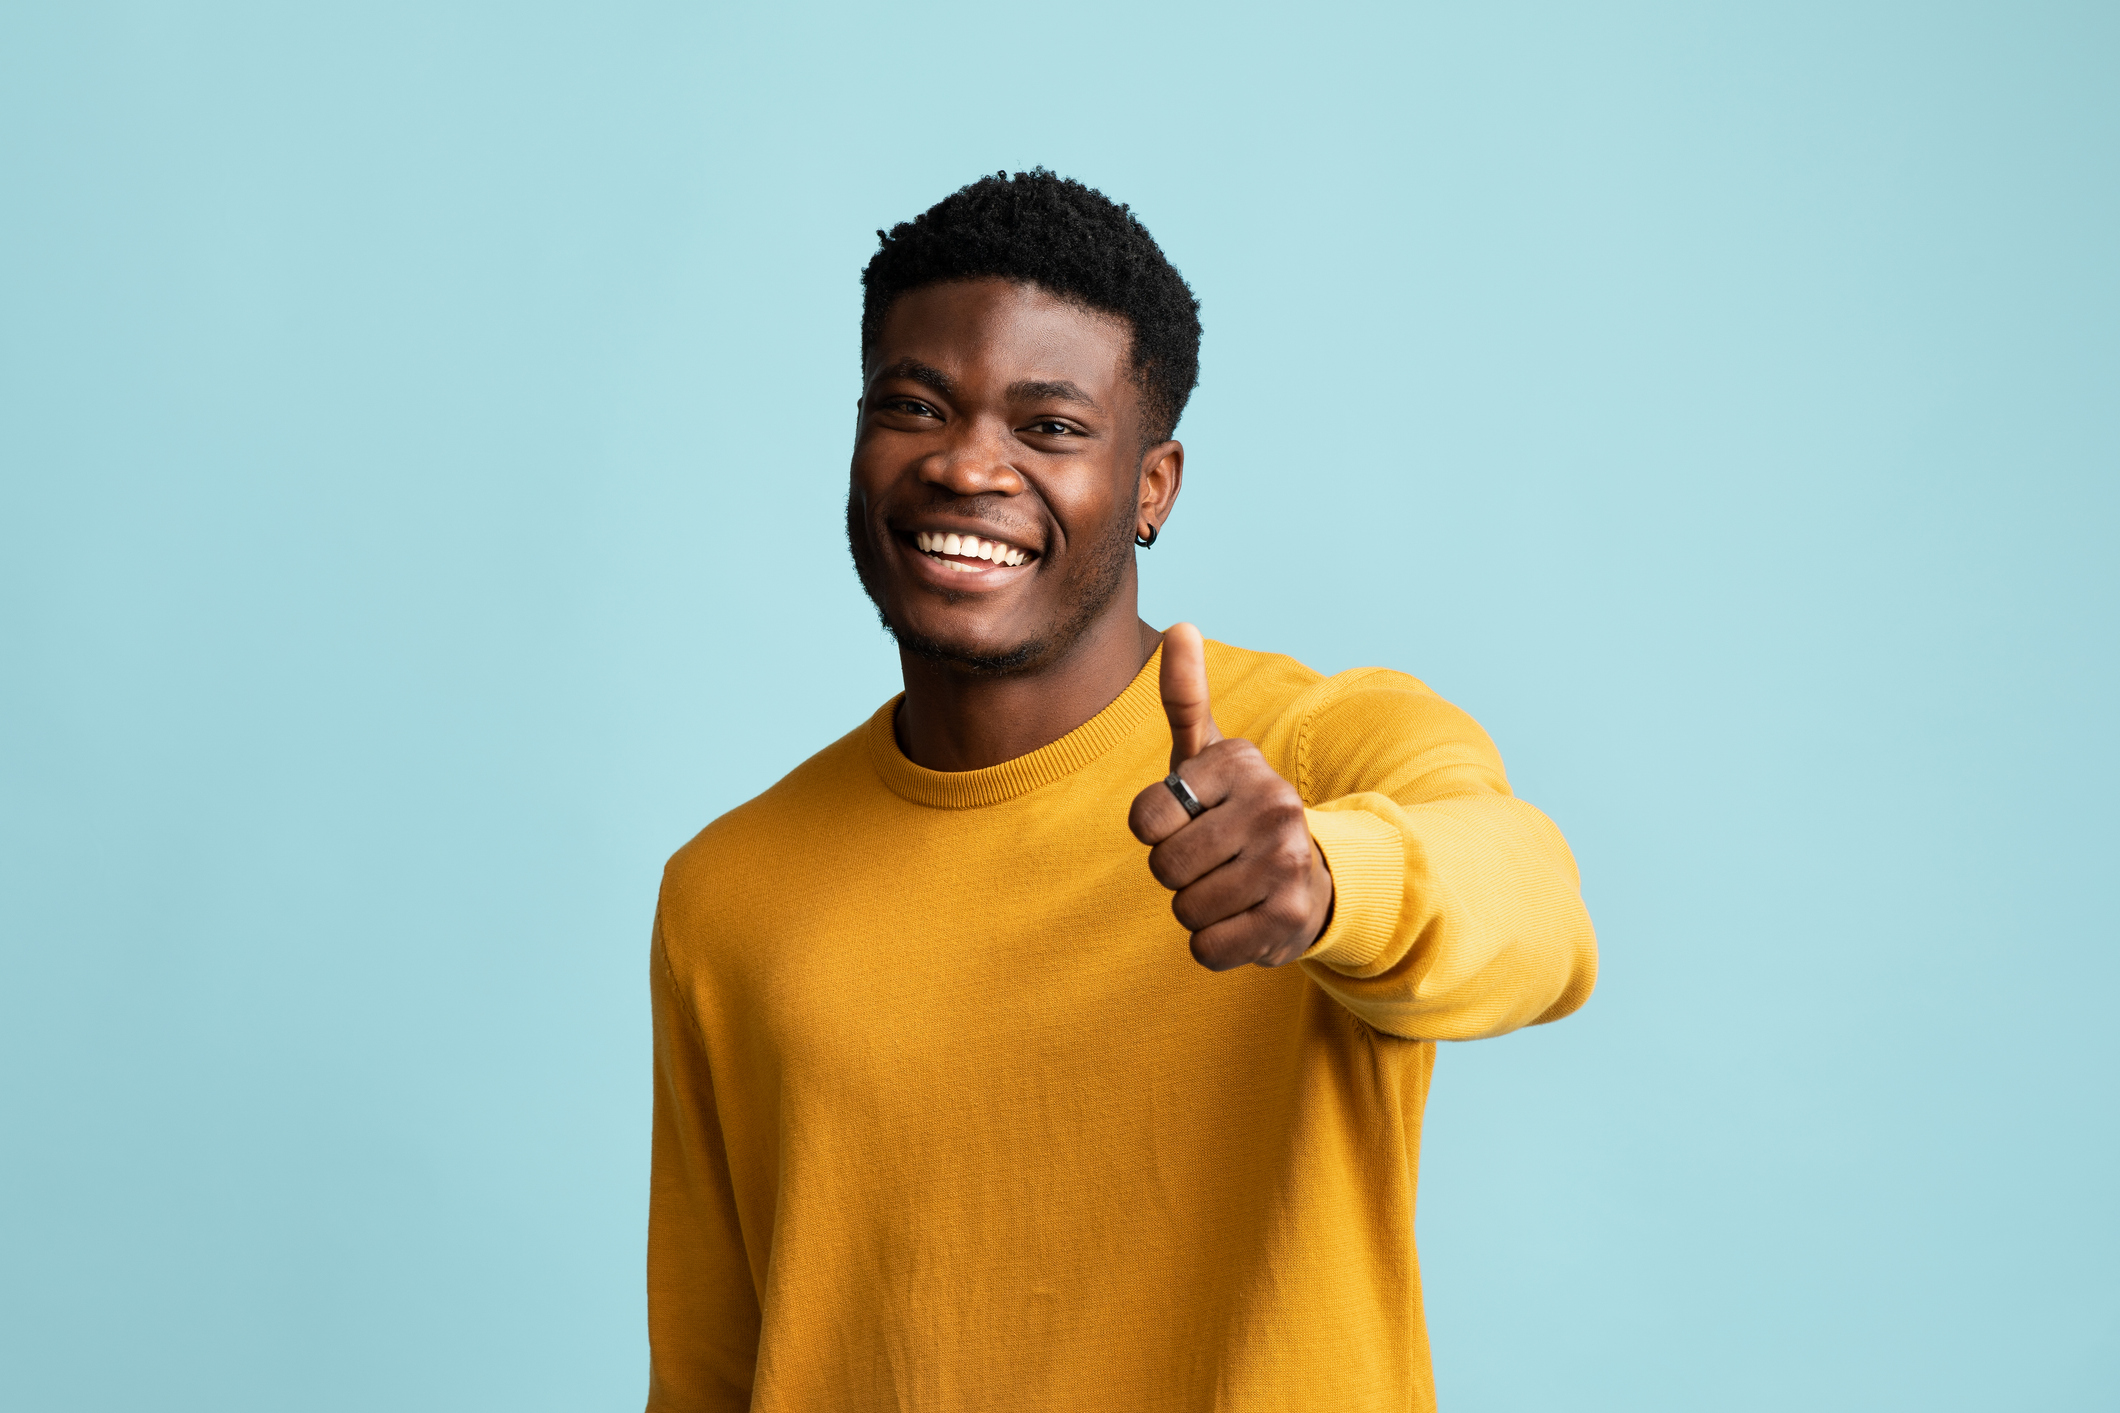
pixel 1050 429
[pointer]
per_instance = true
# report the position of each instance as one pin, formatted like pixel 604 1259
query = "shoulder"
pixel 1370 728
pixel 1375 729
pixel 761 836
pixel 1242 680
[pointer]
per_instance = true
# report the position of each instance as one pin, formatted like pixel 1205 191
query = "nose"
pixel 975 461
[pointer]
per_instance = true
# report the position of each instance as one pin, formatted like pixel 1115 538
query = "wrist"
pixel 1322 895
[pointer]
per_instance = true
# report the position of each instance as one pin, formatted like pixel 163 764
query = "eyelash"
pixel 921 409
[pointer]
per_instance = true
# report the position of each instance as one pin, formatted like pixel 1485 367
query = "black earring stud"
pixel 1150 542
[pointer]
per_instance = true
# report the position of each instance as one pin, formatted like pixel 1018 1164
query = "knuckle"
pixel 1279 910
pixel 1234 757
pixel 1148 823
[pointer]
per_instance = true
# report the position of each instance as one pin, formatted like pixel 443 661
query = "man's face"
pixel 994 492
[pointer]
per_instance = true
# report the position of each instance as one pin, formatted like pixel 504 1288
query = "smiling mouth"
pixel 960 551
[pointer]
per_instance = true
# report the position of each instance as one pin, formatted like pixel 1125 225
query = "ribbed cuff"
pixel 1368 863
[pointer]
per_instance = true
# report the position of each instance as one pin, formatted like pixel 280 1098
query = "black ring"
pixel 1150 542
pixel 1193 808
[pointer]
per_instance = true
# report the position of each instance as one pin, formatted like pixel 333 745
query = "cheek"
pixel 1088 508
pixel 861 473
pixel 869 487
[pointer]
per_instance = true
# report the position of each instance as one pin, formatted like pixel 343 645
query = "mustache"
pixel 996 511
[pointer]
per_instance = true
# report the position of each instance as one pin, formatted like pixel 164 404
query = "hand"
pixel 1248 880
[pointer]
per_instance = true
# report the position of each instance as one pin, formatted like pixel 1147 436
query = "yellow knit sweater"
pixel 947 1118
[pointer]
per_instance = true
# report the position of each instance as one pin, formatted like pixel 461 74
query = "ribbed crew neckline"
pixel 1140 703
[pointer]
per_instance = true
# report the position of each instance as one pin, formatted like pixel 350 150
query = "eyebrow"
pixel 1061 391
pixel 913 370
pixel 1029 390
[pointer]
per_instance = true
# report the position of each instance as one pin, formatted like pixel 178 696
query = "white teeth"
pixel 969 546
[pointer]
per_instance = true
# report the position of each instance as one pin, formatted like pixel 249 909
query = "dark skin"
pixel 999 475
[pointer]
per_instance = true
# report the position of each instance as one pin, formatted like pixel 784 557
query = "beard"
pixel 1096 581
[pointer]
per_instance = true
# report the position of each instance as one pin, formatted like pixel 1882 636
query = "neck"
pixel 952 719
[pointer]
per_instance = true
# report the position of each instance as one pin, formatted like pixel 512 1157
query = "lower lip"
pixel 973 576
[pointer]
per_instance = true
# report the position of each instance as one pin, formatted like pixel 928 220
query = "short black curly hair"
pixel 1068 239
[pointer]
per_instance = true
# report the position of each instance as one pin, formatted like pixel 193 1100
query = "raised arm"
pixel 1369 833
pixel 1457 910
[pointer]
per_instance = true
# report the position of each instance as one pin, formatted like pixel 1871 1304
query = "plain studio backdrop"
pixel 423 433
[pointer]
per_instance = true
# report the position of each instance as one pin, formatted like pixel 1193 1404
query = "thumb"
pixel 1184 679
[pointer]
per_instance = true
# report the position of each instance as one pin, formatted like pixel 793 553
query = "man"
pixel 949 1112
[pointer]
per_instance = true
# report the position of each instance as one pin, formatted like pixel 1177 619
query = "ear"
pixel 1162 473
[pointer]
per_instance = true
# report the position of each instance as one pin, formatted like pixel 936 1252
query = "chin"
pixel 966 651
pixel 955 635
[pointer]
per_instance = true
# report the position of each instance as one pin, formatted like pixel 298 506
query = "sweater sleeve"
pixel 1457 910
pixel 702 1306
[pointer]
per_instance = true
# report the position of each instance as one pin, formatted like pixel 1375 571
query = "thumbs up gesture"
pixel 1247 880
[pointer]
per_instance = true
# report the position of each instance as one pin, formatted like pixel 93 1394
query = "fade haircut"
pixel 1069 240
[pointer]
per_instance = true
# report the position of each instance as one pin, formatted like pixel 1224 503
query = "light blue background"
pixel 422 441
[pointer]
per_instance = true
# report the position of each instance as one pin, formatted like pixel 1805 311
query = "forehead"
pixel 1004 332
